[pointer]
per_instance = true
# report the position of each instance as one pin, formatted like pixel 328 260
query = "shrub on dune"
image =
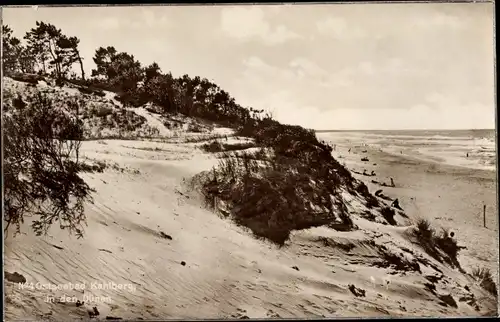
pixel 434 243
pixel 424 230
pixel 295 187
pixel 485 279
pixel 388 213
pixel 213 147
pixel 41 168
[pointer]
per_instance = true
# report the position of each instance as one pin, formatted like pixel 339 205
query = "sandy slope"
pixel 226 272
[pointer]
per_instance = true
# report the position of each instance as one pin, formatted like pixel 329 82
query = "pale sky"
pixel 335 66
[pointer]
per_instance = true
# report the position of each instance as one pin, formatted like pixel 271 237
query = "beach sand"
pixel 450 196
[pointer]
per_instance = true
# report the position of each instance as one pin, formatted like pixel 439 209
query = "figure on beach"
pixel 467 155
pixel 349 150
pixel 392 183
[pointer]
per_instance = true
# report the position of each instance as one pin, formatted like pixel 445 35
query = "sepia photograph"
pixel 249 161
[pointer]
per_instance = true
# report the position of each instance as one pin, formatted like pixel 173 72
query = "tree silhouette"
pixel 102 60
pixel 11 50
pixel 68 48
pixel 48 45
pixel 120 70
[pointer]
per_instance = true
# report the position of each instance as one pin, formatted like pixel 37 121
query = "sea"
pixel 466 148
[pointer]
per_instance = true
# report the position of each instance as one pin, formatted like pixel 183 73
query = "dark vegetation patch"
pixel 26 78
pixel 41 168
pixel 389 259
pixel 447 300
pixel 328 242
pixel 99 167
pixel 371 200
pixel 485 279
pixel 275 194
pixel 441 246
pixel 91 90
pixel 216 146
pixel 388 213
pixel 204 137
pixel 213 147
pixel 368 215
pixel 15 277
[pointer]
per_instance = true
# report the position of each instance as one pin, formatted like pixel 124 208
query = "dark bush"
pixel 27 78
pixel 389 259
pixel 238 146
pixel 433 242
pixel 41 145
pixel 213 147
pixel 485 279
pixel 424 230
pixel 388 213
pixel 102 111
pixel 91 91
pixel 372 202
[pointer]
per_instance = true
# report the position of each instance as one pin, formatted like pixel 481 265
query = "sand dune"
pixel 150 234
pixel 227 272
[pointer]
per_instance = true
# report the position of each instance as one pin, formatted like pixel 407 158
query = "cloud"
pixel 307 67
pixel 152 20
pixel 419 116
pixel 139 19
pixel 338 28
pixel 246 24
pixel 438 20
pixel 109 23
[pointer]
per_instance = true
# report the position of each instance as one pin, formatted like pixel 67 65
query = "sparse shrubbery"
pixel 238 146
pixel 27 78
pixel 371 200
pixel 216 146
pixel 485 279
pixel 102 111
pixel 92 91
pixel 424 230
pixel 205 137
pixel 103 116
pixel 41 145
pixel 433 242
pixel 389 259
pixel 195 128
pixel 329 242
pixel 213 147
pixel 296 187
pixel 91 168
pixel 269 202
pixel 388 213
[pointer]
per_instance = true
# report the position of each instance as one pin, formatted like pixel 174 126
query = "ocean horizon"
pixel 471 148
